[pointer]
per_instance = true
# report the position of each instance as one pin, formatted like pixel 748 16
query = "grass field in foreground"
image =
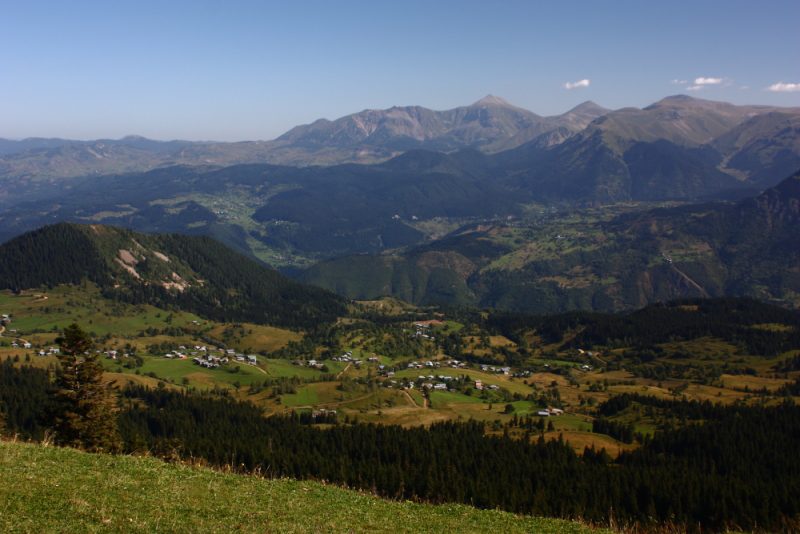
pixel 49 489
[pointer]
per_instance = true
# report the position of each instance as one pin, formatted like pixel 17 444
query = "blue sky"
pixel 251 70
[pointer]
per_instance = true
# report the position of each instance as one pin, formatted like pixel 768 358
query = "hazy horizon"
pixel 253 70
pixel 168 139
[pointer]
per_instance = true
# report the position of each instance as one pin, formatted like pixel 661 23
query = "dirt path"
pixel 410 399
pixel 340 373
pixel 691 282
pixel 334 404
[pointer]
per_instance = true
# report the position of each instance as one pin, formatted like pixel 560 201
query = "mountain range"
pixel 457 195
pixel 370 136
pixel 587 152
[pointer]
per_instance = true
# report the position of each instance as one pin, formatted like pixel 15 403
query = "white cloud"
pixel 707 81
pixel 695 88
pixel 575 85
pixel 679 82
pixel 782 87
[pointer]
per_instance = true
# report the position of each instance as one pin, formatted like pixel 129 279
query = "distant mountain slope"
pixel 315 210
pixel 370 136
pixel 193 273
pixel 762 147
pixel 552 130
pixel 751 248
pixel 402 128
pixel 490 125
pixel 679 147
pixel 680 119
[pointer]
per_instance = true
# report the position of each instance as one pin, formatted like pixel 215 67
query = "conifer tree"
pixel 86 410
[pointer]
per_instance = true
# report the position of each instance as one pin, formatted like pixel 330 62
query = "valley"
pixel 629 207
pixel 280 267
pixel 416 366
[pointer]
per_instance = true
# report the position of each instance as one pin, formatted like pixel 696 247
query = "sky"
pixel 239 70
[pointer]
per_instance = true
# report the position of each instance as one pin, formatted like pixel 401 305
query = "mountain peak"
pixel 685 100
pixel 678 98
pixel 491 100
pixel 587 106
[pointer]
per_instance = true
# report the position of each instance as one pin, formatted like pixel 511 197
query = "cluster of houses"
pixel 5 320
pixel 347 357
pixel 423 328
pixel 385 371
pixel 52 351
pixel 418 365
pixel 496 370
pixel 210 357
pixel 480 387
pixel 23 344
pixel 547 412
pixel 114 354
pixel 455 364
pixel 314 364
pixel 210 362
pixel 394 383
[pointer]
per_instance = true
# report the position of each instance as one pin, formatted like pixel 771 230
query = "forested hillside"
pixel 189 272
pixel 594 260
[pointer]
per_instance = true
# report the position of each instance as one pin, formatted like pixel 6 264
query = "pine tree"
pixel 86 410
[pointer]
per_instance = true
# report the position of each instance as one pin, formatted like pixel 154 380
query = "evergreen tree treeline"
pixel 730 319
pixel 736 469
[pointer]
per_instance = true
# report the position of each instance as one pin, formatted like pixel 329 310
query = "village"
pixel 396 373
